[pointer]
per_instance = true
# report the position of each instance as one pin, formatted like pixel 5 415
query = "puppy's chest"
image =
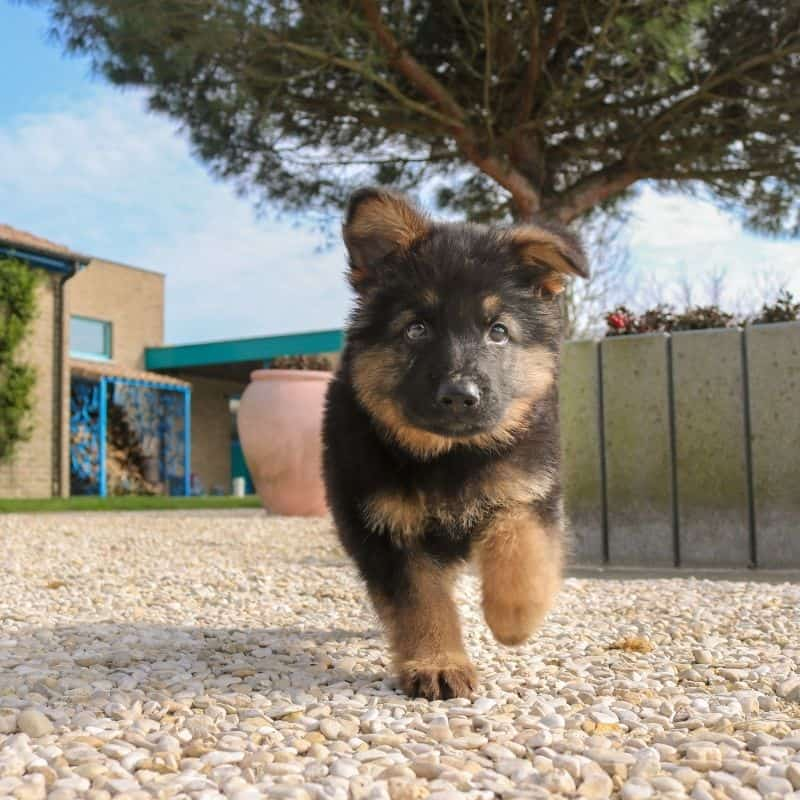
pixel 405 513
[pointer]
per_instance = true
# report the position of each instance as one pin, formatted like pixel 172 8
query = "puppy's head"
pixel 455 332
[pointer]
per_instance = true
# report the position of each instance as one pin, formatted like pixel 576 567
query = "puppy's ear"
pixel 378 222
pixel 555 253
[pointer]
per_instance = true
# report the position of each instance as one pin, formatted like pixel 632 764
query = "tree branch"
pixel 534 65
pixel 703 90
pixel 556 29
pixel 347 162
pixel 409 67
pixel 487 71
pixel 591 60
pixel 762 171
pixel 538 54
pixel 592 190
pixel 360 69
pixel 526 198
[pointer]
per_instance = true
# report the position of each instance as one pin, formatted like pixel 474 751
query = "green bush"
pixel 700 318
pixel 17 312
pixel 322 363
pixel 624 322
pixel 664 319
pixel 784 309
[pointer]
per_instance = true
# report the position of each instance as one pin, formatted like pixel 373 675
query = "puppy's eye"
pixel 498 333
pixel 416 331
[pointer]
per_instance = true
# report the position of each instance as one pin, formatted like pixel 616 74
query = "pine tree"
pixel 509 107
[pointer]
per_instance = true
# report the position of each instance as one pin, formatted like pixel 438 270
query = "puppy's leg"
pixel 520 560
pixel 425 633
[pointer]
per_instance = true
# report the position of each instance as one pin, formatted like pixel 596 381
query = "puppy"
pixel 441 428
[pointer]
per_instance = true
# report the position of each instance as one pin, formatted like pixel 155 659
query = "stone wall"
pixel 684 450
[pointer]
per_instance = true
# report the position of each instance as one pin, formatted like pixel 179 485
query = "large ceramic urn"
pixel 280 428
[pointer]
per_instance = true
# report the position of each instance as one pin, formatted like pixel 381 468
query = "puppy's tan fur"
pixel 425 634
pixel 377 372
pixel 404 515
pixel 520 563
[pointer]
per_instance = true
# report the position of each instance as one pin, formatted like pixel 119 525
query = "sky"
pixel 86 165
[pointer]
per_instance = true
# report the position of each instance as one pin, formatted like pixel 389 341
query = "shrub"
pixel 622 321
pixel 700 318
pixel 322 363
pixel 784 309
pixel 663 319
pixel 17 312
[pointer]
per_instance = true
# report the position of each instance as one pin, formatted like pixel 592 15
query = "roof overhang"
pixel 232 359
pixel 36 251
pixel 49 262
pixel 94 370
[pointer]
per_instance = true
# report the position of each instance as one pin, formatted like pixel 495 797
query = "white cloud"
pixel 108 178
pixel 235 276
pixel 675 237
pixel 103 175
pixel 662 221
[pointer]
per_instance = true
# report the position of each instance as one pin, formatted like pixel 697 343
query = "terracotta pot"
pixel 280 427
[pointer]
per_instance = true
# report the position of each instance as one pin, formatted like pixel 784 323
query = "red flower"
pixel 617 321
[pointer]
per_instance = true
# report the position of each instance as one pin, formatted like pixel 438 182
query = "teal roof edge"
pixel 231 351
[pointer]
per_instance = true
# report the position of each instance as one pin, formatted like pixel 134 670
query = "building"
pixel 116 409
pixel 218 373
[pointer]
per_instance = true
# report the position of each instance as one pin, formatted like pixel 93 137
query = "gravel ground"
pixel 209 655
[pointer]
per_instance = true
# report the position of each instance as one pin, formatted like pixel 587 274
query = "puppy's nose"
pixel 459 394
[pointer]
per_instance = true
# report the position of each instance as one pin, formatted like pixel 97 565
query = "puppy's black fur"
pixel 441 427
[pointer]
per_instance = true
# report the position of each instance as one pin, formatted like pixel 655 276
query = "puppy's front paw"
pixel 438 678
pixel 512 623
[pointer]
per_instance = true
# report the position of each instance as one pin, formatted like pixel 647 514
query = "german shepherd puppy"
pixel 441 427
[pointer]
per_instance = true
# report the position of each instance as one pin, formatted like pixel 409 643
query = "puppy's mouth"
pixel 453 429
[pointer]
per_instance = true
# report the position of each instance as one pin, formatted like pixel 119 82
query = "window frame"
pixel 108 339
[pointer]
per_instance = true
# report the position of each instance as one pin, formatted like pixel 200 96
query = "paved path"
pixel 185 655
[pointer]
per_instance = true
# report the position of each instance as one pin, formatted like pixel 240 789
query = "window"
pixel 89 338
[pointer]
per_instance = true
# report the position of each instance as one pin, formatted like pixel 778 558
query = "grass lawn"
pixel 123 503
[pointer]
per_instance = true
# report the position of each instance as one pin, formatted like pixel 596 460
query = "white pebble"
pixel 34 723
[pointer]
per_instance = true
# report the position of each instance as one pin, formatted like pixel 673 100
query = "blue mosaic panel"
pixel 137 442
pixel 157 417
pixel 84 429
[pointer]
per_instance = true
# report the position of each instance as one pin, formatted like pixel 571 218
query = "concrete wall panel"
pixel 710 443
pixel 773 356
pixel 638 450
pixel 581 449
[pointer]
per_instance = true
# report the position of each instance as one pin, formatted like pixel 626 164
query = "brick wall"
pixel 30 473
pixel 211 431
pixel 131 299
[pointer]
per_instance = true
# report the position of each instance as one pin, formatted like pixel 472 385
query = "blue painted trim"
pixel 63 266
pixel 232 351
pixel 187 441
pixel 101 454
